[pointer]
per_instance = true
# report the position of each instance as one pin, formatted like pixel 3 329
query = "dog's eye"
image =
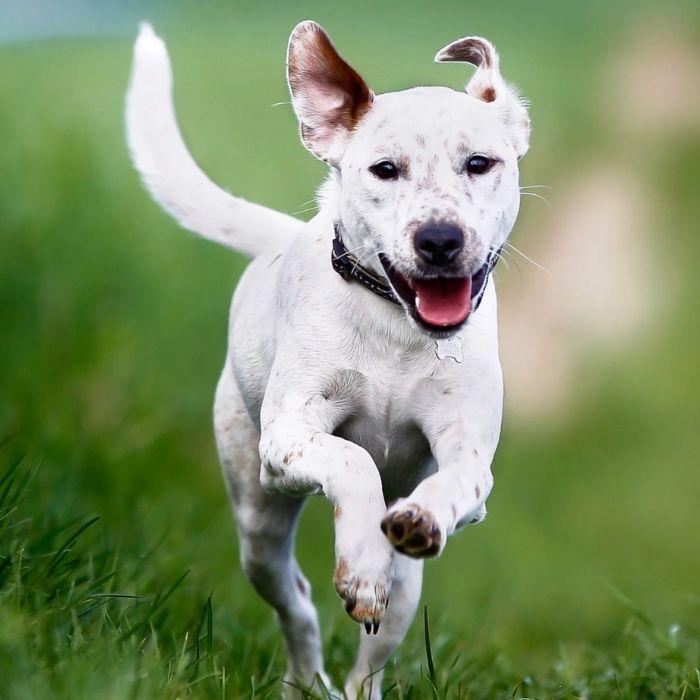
pixel 384 170
pixel 478 165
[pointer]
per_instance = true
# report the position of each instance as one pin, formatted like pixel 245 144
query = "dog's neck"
pixel 349 267
pixel 356 239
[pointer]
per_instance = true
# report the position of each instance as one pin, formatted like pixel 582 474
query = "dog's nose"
pixel 439 244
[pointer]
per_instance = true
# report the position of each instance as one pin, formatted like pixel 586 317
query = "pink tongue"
pixel 443 302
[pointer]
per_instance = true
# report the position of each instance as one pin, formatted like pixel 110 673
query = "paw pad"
pixel 413 531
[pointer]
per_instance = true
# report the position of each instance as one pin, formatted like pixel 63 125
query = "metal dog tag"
pixel 449 347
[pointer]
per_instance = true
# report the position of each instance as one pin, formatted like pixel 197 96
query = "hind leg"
pixel 375 650
pixel 266 525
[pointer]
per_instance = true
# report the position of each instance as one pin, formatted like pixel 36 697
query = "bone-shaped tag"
pixel 449 347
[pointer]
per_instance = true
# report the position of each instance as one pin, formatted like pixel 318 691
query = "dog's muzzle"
pixel 440 304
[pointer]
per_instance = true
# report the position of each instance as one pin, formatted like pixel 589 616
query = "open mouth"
pixel 439 304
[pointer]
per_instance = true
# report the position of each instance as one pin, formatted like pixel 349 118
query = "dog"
pixel 363 349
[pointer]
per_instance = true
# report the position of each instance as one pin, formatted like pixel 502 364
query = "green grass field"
pixel 118 560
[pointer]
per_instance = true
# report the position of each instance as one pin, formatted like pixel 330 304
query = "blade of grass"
pixel 158 602
pixel 429 653
pixel 66 546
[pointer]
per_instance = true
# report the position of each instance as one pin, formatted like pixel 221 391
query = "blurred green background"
pixel 113 321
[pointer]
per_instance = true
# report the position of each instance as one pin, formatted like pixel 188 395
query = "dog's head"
pixel 427 177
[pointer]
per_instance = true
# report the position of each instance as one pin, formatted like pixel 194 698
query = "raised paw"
pixel 365 599
pixel 413 531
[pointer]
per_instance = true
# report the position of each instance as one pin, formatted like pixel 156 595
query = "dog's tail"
pixel 170 173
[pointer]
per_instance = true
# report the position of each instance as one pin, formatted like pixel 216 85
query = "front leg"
pixel 462 427
pixel 300 456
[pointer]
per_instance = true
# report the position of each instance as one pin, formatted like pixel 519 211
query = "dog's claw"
pixel 364 595
pixel 375 627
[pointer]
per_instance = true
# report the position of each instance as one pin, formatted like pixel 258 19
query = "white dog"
pixel 379 385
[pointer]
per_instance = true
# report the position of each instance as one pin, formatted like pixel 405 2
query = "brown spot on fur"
pixel 404 165
pixel 428 182
pixel 420 139
pixel 381 124
pixel 488 95
pixel 341 572
pixel 287 458
pixel 337 512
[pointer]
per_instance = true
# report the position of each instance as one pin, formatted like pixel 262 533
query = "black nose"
pixel 439 244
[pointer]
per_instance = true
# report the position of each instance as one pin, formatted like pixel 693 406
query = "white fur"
pixel 328 389
pixel 170 173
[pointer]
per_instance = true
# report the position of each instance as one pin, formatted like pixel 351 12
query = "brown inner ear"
pixel 358 97
pixel 324 69
pixel 471 51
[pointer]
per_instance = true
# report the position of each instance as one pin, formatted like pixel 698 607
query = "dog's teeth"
pixel 368 627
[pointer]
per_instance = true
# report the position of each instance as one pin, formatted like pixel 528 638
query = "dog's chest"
pixel 381 417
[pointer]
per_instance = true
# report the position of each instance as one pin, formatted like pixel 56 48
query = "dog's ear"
pixel 328 96
pixel 488 85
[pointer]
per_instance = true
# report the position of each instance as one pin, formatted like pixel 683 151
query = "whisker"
pixel 515 261
pixel 359 260
pixel 504 261
pixel 304 211
pixel 500 256
pixel 534 194
pixel 535 187
pixel 356 265
pixel 356 248
pixel 529 259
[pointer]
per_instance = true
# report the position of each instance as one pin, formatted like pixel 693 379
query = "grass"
pixel 113 332
pixel 80 617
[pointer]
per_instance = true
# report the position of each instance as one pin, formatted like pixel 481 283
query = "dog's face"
pixel 428 176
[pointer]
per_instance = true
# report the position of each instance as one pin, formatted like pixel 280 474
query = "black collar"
pixel 348 267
